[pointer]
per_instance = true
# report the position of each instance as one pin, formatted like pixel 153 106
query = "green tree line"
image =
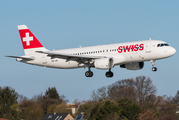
pixel 130 99
pixel 127 99
pixel 17 107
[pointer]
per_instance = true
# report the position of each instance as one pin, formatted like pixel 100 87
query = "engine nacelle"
pixel 104 63
pixel 133 66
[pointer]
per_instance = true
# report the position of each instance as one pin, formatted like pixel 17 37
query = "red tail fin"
pixel 28 39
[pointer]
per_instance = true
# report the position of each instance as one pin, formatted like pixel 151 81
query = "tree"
pixel 33 112
pixel 51 108
pixel 148 115
pixel 25 103
pixel 62 108
pixel 101 93
pixel 167 109
pixel 176 98
pixel 108 110
pixel 95 110
pixel 21 98
pixel 51 97
pixel 8 97
pixel 129 109
pixel 38 98
pixel 87 107
pixel 122 89
pixel 48 102
pixel 153 102
pixel 139 90
pixel 15 112
pixel 52 93
pixel 144 88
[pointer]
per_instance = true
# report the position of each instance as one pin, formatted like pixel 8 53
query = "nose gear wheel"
pixel 153 64
pixel 154 69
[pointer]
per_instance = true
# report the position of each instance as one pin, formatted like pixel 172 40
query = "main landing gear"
pixel 89 73
pixel 153 63
pixel 109 74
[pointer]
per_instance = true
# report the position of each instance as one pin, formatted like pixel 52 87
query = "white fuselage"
pixel 130 52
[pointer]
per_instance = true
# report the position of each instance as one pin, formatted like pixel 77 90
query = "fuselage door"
pixel 148 47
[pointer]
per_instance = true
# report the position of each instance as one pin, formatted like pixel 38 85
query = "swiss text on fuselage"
pixel 131 48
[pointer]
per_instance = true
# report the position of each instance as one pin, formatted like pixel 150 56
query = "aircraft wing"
pixel 22 57
pixel 69 57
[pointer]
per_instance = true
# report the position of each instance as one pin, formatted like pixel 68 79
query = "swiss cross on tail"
pixel 29 41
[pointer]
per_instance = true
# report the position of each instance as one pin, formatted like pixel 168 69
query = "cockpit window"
pixel 162 44
pixel 166 45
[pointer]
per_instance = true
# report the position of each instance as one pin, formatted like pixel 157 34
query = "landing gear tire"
pixel 88 73
pixel 109 74
pixel 154 69
pixel 153 63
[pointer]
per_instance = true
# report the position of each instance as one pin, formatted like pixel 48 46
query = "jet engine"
pixel 104 63
pixel 133 66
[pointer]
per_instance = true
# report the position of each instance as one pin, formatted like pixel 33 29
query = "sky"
pixel 61 24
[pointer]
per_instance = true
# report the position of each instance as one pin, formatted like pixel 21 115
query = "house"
pixel 73 107
pixel 80 117
pixel 57 116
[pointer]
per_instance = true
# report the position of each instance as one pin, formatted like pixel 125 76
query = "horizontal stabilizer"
pixel 22 57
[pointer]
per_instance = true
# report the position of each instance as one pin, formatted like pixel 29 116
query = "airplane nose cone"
pixel 173 51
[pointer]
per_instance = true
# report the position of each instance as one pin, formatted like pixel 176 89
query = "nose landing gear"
pixel 153 64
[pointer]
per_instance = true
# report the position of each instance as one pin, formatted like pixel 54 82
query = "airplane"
pixel 129 55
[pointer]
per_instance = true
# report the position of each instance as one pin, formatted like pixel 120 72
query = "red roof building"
pixel 3 119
